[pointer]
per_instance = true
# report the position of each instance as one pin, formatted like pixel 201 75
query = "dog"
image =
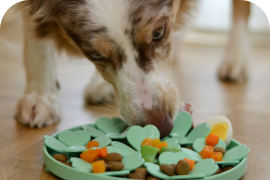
pixel 130 42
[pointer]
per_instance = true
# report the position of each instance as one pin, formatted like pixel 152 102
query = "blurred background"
pixel 213 22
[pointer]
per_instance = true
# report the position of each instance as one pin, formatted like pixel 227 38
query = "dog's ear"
pixel 186 11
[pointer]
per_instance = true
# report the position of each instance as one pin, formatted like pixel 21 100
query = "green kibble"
pixel 149 153
pixel 167 149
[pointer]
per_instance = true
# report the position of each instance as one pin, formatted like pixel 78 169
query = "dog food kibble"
pixel 92 144
pixel 136 176
pixel 162 144
pixel 90 155
pixel 149 153
pixel 60 157
pixel 188 147
pixel 167 169
pixel 227 168
pixel 152 178
pixel 173 165
pixel 207 152
pixel 142 170
pixel 167 149
pixel 217 156
pixel 99 159
pixel 182 167
pixel 212 140
pixel 156 142
pixel 148 142
pixel 103 152
pixel 220 149
pixel 218 171
pixel 99 167
pixel 115 166
pixel 114 157
pixel 190 162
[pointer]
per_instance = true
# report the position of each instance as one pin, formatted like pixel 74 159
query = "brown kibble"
pixel 220 149
pixel 68 164
pixel 115 165
pixel 190 148
pixel 60 157
pixel 174 166
pixel 218 171
pixel 167 169
pixel 106 166
pixel 182 167
pixel 114 157
pixel 227 168
pixel 123 176
pixel 136 176
pixel 142 170
pixel 152 178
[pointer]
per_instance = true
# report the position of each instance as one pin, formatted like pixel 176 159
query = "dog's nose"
pixel 165 127
pixel 163 123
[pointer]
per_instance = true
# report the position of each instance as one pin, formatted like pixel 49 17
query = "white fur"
pixel 235 64
pixel 39 105
pixel 113 15
pixel 98 90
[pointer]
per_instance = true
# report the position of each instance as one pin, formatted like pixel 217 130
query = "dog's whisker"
pixel 100 108
pixel 103 101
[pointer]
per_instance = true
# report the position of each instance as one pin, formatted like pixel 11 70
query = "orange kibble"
pixel 91 155
pixel 190 162
pixel 98 167
pixel 103 152
pixel 217 156
pixel 162 144
pixel 82 154
pixel 156 142
pixel 92 144
pixel 207 152
pixel 148 142
pixel 212 140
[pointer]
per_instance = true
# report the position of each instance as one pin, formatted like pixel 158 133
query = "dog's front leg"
pixel 235 64
pixel 39 106
pixel 98 91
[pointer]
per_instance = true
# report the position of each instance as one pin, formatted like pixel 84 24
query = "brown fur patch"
pixel 146 47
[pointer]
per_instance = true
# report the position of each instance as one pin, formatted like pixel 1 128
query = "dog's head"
pixel 130 43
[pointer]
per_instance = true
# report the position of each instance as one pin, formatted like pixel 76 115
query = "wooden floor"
pixel 247 105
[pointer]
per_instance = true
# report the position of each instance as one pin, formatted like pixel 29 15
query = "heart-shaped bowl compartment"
pixel 70 173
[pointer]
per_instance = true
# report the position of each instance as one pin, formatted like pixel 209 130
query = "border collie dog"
pixel 130 42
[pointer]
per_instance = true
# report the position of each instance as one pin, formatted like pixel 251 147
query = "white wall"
pixel 215 15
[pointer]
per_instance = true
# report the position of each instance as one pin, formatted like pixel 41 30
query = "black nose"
pixel 166 127
pixel 160 119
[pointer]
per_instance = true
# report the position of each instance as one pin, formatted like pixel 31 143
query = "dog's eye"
pixel 158 34
pixel 95 55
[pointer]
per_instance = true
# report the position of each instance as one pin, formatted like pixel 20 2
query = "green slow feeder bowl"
pixel 71 173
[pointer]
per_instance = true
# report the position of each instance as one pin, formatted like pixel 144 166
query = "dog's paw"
pixel 97 92
pixel 234 68
pixel 38 110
